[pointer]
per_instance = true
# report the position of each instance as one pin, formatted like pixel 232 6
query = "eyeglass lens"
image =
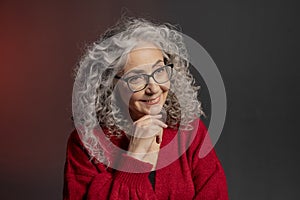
pixel 139 82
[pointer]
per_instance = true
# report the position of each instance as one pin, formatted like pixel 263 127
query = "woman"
pixel 136 113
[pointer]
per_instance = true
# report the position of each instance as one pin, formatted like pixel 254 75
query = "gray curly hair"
pixel 93 92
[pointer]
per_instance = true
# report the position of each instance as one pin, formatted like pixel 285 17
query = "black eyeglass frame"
pixel 148 77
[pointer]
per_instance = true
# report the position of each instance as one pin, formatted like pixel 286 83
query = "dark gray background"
pixel 254 43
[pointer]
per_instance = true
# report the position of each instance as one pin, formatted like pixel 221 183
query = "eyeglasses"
pixel 139 82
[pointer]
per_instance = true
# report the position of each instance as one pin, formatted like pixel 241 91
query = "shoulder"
pixel 77 158
pixel 200 131
pixel 196 131
pixel 75 144
pixel 189 137
pixel 74 138
pixel 199 138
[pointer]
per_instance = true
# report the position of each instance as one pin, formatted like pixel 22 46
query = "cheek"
pixel 134 98
pixel 165 87
pixel 124 94
pixel 165 95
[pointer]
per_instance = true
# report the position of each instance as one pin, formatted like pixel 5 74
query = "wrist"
pixel 145 157
pixel 135 155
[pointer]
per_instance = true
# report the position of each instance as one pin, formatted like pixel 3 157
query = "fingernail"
pixel 158 141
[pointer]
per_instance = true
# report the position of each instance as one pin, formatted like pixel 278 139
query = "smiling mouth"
pixel 152 101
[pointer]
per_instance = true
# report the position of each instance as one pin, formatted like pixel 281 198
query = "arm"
pixel 86 180
pixel 208 174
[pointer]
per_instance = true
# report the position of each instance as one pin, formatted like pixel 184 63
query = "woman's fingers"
pixel 148 128
pixel 160 123
pixel 150 120
pixel 148 117
pixel 147 135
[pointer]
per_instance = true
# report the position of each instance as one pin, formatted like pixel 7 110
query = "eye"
pixel 160 70
pixel 136 79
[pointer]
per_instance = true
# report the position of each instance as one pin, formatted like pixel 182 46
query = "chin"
pixel 154 109
pixel 140 108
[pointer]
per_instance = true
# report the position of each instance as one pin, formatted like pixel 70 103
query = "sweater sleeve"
pixel 208 174
pixel 84 179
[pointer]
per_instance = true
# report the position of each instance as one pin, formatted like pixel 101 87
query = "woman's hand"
pixel 145 141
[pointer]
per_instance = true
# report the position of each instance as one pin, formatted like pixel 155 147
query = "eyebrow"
pixel 141 70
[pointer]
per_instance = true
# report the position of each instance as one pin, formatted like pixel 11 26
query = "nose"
pixel 152 87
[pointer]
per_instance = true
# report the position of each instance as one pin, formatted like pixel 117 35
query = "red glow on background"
pixel 40 44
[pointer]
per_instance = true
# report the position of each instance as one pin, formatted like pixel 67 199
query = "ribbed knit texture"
pixel 188 177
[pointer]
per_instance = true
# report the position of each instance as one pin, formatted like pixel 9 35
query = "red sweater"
pixel 188 177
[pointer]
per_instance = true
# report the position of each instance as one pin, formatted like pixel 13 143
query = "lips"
pixel 152 101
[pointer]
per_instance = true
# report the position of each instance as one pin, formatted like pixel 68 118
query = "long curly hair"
pixel 93 93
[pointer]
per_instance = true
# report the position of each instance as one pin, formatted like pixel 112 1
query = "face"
pixel 148 101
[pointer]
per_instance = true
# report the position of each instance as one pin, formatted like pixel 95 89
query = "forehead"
pixel 140 56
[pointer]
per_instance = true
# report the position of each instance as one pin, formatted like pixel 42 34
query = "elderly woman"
pixel 138 132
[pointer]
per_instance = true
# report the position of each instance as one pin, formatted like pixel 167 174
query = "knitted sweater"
pixel 188 177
